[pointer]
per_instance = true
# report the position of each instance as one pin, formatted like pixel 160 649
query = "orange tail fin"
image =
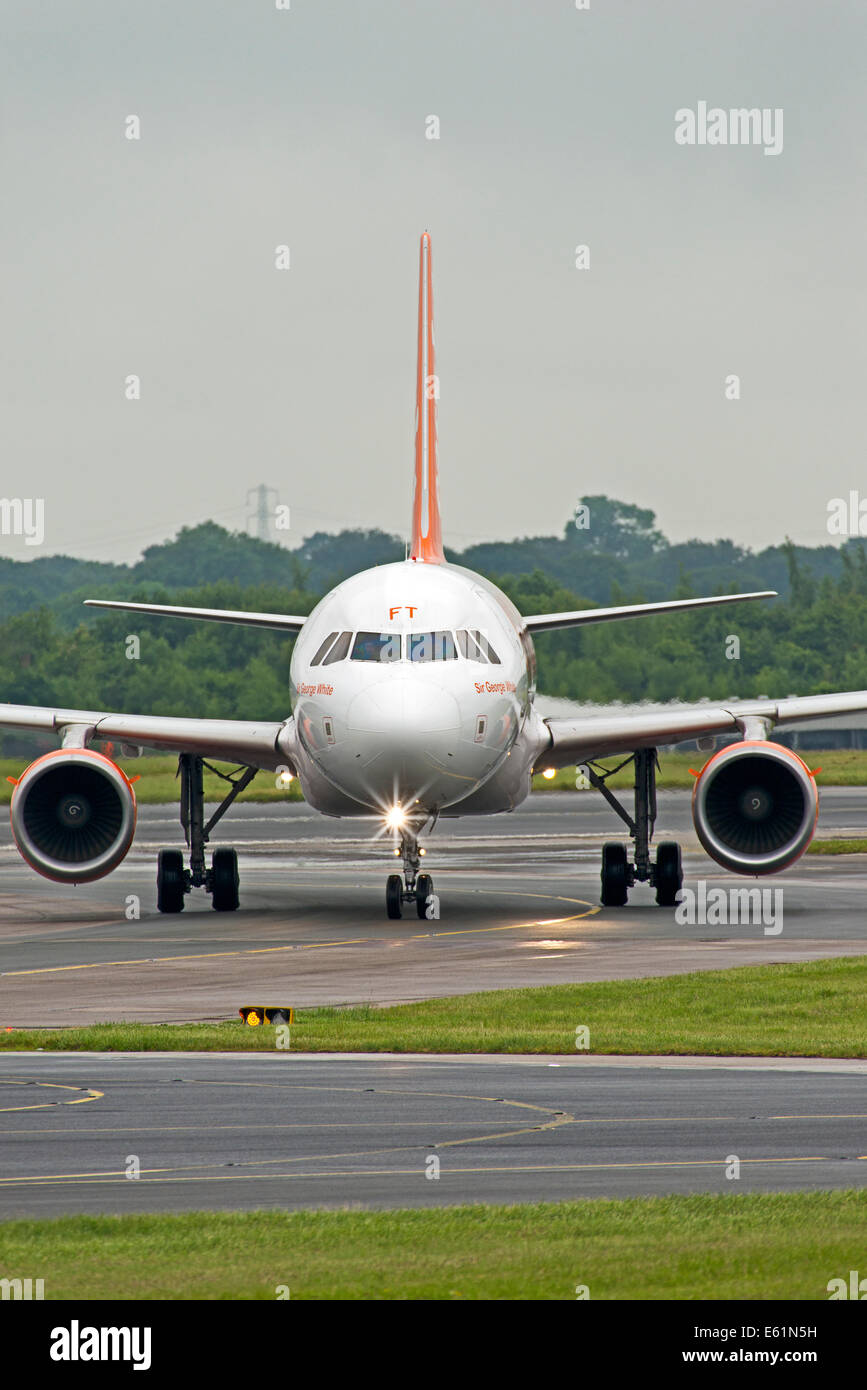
pixel 427 542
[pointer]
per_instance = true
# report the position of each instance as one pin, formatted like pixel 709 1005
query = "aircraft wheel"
pixel 393 895
pixel 224 880
pixel 669 873
pixel 614 877
pixel 170 880
pixel 423 890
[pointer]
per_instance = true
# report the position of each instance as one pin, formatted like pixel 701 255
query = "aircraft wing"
pixel 548 622
pixel 253 742
pixel 282 622
pixel 580 738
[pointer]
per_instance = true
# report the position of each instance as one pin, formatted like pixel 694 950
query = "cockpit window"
pixel 476 647
pixel 376 646
pixel 432 646
pixel 323 649
pixel 468 647
pixel 481 640
pixel 339 650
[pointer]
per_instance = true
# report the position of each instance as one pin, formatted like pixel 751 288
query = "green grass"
pixel 814 1008
pixel 750 1246
pixel 841 767
pixel 835 846
pixel 158 781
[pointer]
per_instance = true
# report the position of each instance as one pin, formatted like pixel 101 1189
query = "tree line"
pixel 810 640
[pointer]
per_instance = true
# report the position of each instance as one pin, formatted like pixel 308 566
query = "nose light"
pixel 395 819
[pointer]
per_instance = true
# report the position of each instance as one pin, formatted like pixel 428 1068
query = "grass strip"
pixel 727 1246
pixel 808 1009
pixel 837 767
pixel 837 846
pixel 158 782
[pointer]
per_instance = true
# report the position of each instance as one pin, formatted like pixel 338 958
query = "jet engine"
pixel 73 815
pixel 754 806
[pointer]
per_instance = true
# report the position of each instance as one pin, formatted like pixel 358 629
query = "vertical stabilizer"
pixel 427 542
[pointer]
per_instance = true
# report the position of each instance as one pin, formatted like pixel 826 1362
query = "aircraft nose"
pixel 403 714
pixel 406 739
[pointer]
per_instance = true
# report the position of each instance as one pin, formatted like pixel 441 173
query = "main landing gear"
pixel 413 887
pixel 221 880
pixel 618 875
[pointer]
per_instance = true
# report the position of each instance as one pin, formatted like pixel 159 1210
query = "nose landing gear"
pixel 413 887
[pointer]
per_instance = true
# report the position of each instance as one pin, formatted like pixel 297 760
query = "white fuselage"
pixel 423 700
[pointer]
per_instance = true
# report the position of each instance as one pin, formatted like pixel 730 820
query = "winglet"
pixel 427 542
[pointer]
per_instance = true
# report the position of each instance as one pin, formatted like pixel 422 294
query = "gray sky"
pixel 307 127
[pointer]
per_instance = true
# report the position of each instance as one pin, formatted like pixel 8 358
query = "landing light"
pixel 395 819
pixel 550 772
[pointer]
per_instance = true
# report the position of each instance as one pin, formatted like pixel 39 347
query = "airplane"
pixel 412 692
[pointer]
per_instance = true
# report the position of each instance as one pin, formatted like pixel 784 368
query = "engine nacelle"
pixel 73 815
pixel 754 806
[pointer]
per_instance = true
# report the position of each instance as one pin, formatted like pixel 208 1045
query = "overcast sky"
pixel 306 127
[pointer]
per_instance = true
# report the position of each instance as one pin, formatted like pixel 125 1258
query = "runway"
pixel 519 906
pixel 287 1130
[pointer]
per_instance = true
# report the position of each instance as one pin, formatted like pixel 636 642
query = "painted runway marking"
pixel 48 1104
pixel 591 910
pixel 87 1179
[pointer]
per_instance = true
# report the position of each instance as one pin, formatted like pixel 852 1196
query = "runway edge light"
pixel 257 1014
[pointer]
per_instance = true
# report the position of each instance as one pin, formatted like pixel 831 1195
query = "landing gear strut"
pixel 413 887
pixel 221 880
pixel 618 875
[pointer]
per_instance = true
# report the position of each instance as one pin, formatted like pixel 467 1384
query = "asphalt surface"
pixel 242 1131
pixel 519 899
